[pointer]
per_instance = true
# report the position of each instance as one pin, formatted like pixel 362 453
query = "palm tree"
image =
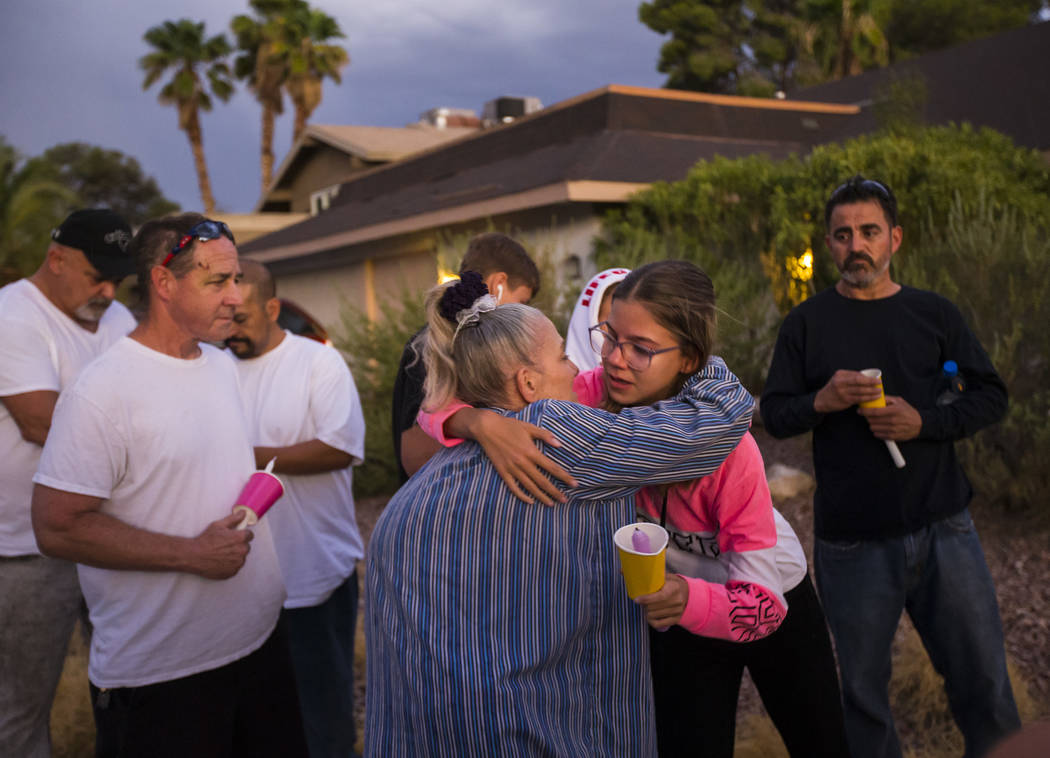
pixel 182 47
pixel 310 59
pixel 31 204
pixel 263 66
pixel 845 36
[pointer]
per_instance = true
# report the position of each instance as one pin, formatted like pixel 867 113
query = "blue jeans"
pixel 939 575
pixel 321 639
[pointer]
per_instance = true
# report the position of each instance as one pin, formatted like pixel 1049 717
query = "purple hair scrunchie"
pixel 462 295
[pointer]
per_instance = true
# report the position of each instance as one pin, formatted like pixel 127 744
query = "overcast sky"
pixel 69 72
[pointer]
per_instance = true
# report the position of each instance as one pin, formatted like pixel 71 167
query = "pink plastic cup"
pixel 262 490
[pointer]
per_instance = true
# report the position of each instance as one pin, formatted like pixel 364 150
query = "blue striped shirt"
pixel 498 628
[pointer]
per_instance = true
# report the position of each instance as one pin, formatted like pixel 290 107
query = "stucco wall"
pixel 382 270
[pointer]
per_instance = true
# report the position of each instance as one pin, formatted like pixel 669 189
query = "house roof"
pixel 372 144
pixel 597 147
pixel 999 81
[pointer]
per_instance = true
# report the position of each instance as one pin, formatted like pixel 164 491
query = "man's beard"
pixel 861 277
pixel 242 348
pixel 93 309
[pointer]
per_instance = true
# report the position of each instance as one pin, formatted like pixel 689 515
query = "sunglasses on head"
pixel 867 184
pixel 205 231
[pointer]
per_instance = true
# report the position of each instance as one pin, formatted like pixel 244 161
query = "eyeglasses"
pixel 206 231
pixel 637 357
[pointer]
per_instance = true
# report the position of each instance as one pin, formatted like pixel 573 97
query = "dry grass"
pixel 72 724
pixel 920 708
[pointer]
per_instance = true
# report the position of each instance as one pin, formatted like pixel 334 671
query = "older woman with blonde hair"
pixel 500 627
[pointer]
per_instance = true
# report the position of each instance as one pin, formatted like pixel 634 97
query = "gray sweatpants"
pixel 39 605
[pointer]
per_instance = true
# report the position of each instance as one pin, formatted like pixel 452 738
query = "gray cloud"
pixel 68 72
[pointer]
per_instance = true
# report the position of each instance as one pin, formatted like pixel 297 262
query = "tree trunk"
pixel 266 159
pixel 300 122
pixel 845 56
pixel 193 131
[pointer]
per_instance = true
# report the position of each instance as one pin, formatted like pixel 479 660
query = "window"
pixel 322 199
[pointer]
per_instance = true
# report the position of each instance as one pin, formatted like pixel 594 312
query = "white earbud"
pixel 499 293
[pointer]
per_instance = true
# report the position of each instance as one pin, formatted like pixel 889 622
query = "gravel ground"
pixel 1018 557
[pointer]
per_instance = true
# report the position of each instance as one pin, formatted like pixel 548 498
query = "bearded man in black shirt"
pixel 893 538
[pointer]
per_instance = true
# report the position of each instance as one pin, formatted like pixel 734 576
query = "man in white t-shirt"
pixel 52 324
pixel 304 411
pixel 147 453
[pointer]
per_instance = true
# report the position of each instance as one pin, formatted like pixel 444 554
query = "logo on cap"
pixel 118 236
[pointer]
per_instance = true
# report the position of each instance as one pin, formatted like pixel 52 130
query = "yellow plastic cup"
pixel 642 572
pixel 895 452
pixel 874 373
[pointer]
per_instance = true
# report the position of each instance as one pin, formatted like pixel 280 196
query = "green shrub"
pixel 373 352
pixel 975 210
pixel 993 261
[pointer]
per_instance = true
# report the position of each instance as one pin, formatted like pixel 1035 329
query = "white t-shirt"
pixel 41 348
pixel 164 442
pixel 300 391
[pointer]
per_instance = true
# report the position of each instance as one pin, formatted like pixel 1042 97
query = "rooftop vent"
pixel 505 109
pixel 444 117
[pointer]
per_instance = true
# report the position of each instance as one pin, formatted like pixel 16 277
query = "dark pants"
pixel 246 708
pixel 696 685
pixel 939 575
pixel 321 639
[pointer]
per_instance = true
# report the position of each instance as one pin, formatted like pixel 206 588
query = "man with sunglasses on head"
pixel 891 538
pixel 54 322
pixel 146 456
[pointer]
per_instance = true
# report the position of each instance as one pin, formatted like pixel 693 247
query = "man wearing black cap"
pixel 52 323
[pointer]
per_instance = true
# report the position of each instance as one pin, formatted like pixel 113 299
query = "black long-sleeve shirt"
pixel 909 335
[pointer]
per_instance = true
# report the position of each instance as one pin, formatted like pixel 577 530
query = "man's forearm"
pixel 784 416
pixel 32 413
pixel 98 539
pixel 311 457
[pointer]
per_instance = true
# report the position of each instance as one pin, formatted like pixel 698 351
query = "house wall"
pixel 325 167
pixel 367 276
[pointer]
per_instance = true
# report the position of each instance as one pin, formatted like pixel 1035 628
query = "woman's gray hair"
pixel 474 363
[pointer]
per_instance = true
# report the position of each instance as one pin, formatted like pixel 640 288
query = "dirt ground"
pixel 1018 556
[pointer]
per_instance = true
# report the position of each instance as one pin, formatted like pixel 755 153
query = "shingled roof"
pixel 371 144
pixel 597 147
pixel 1000 81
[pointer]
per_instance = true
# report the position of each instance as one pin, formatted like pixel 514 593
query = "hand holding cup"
pixel 880 402
pixel 262 491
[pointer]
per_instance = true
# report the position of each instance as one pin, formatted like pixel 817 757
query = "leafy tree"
pixel 311 58
pixel 705 51
pixel 104 178
pixel 757 47
pixel 182 48
pixel 31 204
pixel 920 26
pixel 845 37
pixel 263 64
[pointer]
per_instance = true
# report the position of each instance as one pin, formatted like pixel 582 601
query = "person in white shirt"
pixel 52 324
pixel 304 411
pixel 147 454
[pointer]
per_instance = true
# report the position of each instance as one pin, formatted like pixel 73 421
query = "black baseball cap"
pixel 102 236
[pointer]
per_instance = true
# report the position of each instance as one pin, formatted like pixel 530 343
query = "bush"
pixel 993 261
pixel 975 211
pixel 373 352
